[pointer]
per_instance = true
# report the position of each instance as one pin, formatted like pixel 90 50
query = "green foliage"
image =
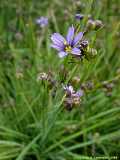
pixel 33 124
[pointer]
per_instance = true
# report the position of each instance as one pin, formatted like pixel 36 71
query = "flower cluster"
pixel 73 98
pixel 73 45
pixel 93 25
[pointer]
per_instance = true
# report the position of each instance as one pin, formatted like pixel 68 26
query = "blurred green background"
pixel 33 125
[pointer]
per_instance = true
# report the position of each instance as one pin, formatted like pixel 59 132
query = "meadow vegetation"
pixel 52 106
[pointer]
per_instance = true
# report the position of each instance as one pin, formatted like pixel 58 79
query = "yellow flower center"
pixel 68 48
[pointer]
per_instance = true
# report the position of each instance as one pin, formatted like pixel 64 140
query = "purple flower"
pixel 79 16
pixel 42 21
pixel 69 90
pixel 80 93
pixel 73 97
pixel 68 45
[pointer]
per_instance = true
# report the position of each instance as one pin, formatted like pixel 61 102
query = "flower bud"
pixel 93 25
pixel 79 16
pixel 90 25
pixel 75 80
pixel 42 76
pixel 90 53
pixel 108 86
pixel 98 24
pixel 93 52
pixel 89 85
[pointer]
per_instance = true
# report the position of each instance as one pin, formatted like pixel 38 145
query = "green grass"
pixel 33 124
